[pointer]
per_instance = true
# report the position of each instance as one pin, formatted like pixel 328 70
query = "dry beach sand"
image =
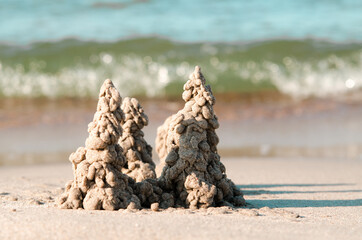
pixel 287 198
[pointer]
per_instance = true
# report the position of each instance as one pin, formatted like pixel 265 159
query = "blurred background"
pixel 287 75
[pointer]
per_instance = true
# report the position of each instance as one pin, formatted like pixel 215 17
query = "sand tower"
pixel 138 153
pixel 187 146
pixel 98 179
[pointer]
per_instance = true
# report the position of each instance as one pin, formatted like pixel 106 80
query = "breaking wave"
pixel 155 67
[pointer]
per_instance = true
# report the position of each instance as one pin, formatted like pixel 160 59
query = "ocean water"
pixel 67 48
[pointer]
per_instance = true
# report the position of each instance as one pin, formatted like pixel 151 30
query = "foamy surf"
pixel 299 69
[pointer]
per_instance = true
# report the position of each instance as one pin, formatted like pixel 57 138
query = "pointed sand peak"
pixel 105 128
pixel 138 152
pixel 109 97
pixel 195 89
pixel 187 146
pixel 133 111
pixel 98 179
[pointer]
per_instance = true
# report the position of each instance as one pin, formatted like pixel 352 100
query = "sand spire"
pixel 98 179
pixel 138 153
pixel 187 146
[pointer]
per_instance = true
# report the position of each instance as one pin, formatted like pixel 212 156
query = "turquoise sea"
pixel 66 48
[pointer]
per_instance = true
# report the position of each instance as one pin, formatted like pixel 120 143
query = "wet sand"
pixel 38 131
pixel 287 198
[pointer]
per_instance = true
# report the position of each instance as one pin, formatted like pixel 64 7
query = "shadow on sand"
pixel 259 192
pixel 298 203
pixel 293 185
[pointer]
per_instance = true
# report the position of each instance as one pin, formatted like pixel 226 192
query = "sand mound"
pixel 111 176
pixel 98 179
pixel 138 153
pixel 186 144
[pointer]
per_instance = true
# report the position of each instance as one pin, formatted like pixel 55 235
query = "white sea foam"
pixel 131 75
pixel 134 75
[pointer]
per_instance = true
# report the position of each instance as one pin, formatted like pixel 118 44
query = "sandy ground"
pixel 287 199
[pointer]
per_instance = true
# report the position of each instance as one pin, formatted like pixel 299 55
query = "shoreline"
pixel 341 152
pixel 41 130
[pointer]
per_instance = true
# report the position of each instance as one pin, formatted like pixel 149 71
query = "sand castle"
pixel 115 169
pixel 186 145
pixel 139 164
pixel 98 179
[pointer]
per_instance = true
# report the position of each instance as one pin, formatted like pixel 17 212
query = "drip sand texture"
pixel 187 146
pixel 115 169
pixel 139 164
pixel 98 179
